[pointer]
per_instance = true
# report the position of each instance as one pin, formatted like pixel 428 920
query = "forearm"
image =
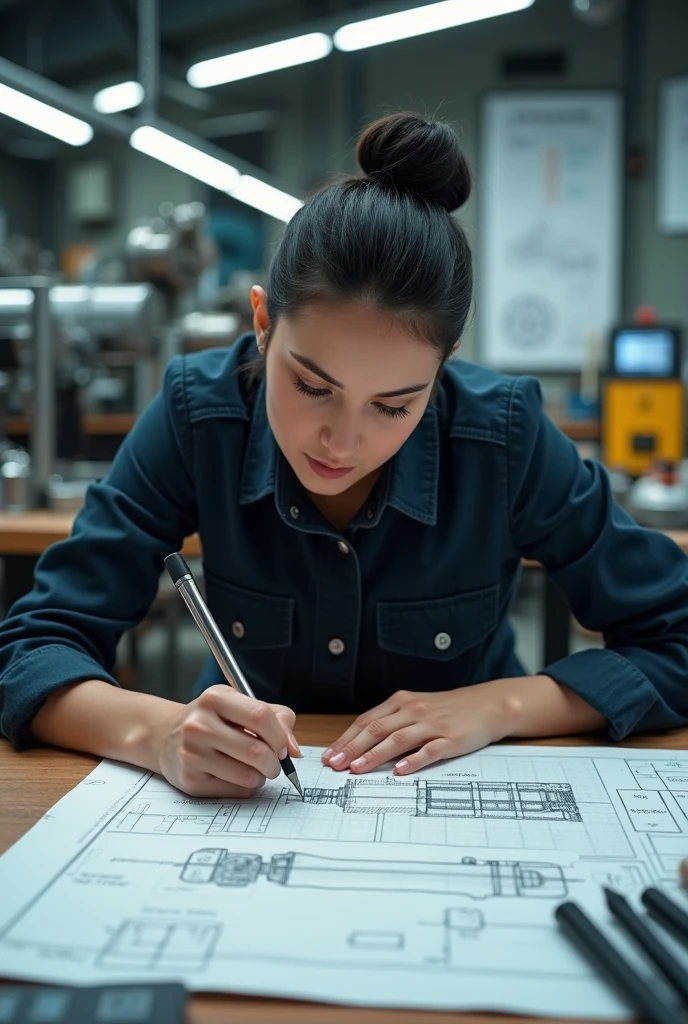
pixel 539 706
pixel 99 718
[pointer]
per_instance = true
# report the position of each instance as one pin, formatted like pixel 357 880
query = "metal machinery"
pixel 50 333
pixel 96 346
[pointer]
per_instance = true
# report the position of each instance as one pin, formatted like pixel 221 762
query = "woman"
pixel 363 506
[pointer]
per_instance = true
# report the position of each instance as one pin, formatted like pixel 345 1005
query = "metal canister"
pixel 15 480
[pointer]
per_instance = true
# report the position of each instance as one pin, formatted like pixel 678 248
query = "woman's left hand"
pixel 434 725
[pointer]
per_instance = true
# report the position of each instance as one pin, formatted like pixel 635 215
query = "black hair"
pixel 386 237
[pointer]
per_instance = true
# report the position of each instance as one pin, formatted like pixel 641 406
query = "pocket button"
pixel 238 629
pixel 443 641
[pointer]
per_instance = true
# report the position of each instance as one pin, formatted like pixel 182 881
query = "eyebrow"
pixel 314 368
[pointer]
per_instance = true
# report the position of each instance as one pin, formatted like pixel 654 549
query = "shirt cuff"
pixel 609 683
pixel 27 684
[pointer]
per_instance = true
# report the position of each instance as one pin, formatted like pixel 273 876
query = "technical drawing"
pixel 477 879
pixel 536 801
pixel 419 798
pixel 160 945
pixel 376 940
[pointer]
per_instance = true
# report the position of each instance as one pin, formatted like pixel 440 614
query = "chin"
pixel 317 485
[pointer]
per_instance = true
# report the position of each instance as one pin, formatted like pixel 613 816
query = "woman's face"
pixel 346 385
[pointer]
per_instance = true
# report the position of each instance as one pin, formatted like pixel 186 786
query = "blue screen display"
pixel 646 352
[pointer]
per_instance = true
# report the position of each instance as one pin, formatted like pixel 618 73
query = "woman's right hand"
pixel 224 743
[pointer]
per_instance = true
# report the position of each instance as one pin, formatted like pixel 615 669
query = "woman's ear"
pixel 261 321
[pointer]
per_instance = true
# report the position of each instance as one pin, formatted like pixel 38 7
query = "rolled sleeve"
pixel 620 579
pixel 89 589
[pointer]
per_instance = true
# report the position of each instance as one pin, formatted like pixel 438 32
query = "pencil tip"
pixel 294 779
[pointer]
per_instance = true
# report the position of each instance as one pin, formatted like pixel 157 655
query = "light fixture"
pixel 43 117
pixel 420 20
pixel 259 60
pixel 266 198
pixel 122 96
pixel 209 169
pixel 184 157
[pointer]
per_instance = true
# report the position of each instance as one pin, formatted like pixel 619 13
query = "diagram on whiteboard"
pixel 445 882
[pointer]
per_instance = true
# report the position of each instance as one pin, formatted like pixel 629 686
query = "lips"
pixel 329 465
pixel 326 469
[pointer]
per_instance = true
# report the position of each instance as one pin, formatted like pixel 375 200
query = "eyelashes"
pixel 391 412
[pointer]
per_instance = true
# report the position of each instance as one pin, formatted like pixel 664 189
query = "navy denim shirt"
pixel 414 594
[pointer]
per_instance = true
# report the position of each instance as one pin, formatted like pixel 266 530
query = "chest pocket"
pixel 258 628
pixel 444 633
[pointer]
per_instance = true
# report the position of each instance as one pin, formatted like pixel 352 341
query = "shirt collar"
pixel 409 483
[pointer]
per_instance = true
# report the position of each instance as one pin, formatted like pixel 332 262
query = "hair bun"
pixel 417 156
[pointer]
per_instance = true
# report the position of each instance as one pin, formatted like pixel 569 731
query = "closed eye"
pixel 306 389
pixel 393 412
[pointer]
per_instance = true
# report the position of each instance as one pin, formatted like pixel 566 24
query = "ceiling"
pixel 85 44
pixel 75 41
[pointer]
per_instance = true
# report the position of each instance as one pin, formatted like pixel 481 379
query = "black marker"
pixel 666 912
pixel 186 585
pixel 604 957
pixel 663 959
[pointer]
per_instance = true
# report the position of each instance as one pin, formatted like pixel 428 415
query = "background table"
pixel 32 781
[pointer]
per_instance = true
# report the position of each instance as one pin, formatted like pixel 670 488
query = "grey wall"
pixel 19 195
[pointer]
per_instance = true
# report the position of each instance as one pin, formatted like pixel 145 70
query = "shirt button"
pixel 344 548
pixel 336 646
pixel 442 641
pixel 238 629
pixel 294 511
pixel 370 513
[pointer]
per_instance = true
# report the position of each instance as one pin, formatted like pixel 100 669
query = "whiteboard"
pixel 550 227
pixel 672 156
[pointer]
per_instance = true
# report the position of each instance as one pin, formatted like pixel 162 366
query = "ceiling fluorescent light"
pixel 43 117
pixel 266 198
pixel 420 20
pixel 259 60
pixel 122 96
pixel 185 158
pixel 222 176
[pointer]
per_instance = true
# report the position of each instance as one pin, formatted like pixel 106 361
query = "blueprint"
pixel 435 890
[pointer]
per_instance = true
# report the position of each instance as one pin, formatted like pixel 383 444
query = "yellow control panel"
pixel 642 422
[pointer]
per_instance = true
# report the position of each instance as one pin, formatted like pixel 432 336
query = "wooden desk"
pixel 115 424
pixel 32 781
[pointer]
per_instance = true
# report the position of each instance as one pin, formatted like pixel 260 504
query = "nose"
pixel 341 438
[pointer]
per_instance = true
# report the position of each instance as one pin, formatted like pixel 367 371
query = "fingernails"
pixel 283 753
pixel 401 766
pixel 327 754
pixel 338 759
pixel 292 737
pixel 358 762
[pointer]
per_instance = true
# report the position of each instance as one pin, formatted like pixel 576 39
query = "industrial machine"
pixel 51 337
pixel 643 399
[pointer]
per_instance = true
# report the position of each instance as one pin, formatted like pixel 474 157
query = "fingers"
pixel 397 743
pixel 287 718
pixel 435 750
pixel 381 711
pixel 232 742
pixel 213 774
pixel 371 737
pixel 256 716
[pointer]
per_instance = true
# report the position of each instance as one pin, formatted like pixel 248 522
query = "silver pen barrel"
pixel 214 638
pixel 183 580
